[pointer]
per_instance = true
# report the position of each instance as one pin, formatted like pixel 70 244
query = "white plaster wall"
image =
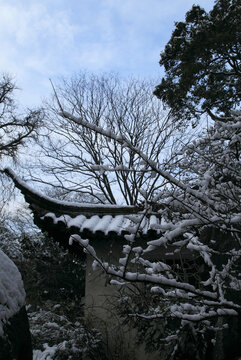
pixel 100 300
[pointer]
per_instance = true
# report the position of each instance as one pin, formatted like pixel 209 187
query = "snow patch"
pixel 12 294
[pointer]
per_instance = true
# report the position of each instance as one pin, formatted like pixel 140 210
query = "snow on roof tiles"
pixel 105 226
pixel 97 228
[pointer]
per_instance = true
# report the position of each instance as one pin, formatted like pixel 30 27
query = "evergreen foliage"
pixel 56 337
pixel 202 63
pixel 51 273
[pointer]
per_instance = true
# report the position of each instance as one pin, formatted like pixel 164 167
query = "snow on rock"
pixel 12 294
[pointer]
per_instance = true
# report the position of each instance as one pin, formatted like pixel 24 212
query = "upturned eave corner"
pixel 43 204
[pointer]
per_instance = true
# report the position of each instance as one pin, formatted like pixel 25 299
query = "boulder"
pixel 15 338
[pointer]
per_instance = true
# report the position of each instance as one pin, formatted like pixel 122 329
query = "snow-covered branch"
pixel 201 214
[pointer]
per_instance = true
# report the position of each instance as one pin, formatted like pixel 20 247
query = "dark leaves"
pixel 202 62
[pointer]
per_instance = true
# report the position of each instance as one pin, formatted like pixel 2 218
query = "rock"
pixel 15 338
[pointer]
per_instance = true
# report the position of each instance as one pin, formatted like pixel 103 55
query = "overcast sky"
pixel 51 38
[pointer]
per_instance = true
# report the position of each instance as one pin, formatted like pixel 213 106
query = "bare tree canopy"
pixel 15 129
pixel 79 159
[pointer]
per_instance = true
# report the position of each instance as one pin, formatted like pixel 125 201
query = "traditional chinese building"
pixel 105 226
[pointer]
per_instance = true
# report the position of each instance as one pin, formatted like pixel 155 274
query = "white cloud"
pixel 34 35
pixel 27 25
pixel 47 38
pixel 34 43
pixel 152 14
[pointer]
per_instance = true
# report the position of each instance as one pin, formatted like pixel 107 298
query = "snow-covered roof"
pixel 98 228
pixel 12 294
pixel 95 222
pixel 85 219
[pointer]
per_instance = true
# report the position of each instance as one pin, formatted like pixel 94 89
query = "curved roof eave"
pixel 43 204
